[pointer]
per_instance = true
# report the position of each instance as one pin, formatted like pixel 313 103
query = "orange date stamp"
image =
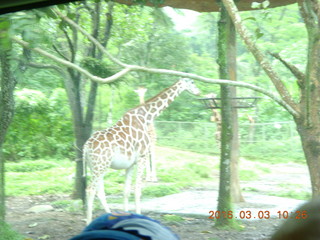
pixel 262 214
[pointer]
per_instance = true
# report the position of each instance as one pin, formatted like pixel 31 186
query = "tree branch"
pixel 293 69
pixel 129 68
pixel 45 66
pixel 243 32
pixel 57 50
pixel 91 38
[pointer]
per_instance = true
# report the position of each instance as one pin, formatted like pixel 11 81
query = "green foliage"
pixel 7 233
pixel 97 67
pixel 5 43
pixel 41 126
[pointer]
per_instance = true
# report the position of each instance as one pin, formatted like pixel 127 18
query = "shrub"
pixel 41 126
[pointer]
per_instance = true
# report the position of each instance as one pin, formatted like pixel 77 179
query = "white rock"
pixel 40 209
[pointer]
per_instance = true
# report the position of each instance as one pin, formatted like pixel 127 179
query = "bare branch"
pixel 71 47
pixel 130 68
pixel 243 32
pixel 91 38
pixel 293 69
pixel 58 51
pixel 45 66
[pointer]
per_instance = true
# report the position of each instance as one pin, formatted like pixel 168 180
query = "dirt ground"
pixel 59 224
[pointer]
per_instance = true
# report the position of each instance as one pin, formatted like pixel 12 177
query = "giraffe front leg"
pixel 140 169
pixel 149 169
pixel 127 188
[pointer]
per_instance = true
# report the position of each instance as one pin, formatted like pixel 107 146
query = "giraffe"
pixel 215 117
pixel 125 145
pixel 150 166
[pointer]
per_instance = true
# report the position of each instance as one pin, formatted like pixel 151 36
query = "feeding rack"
pixel 238 102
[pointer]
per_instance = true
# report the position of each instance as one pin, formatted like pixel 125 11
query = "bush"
pixel 41 126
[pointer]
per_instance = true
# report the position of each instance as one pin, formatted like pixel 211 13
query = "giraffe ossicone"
pixel 126 145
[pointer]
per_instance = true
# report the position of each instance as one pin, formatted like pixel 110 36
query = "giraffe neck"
pixel 157 104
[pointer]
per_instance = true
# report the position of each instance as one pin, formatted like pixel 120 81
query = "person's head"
pixel 303 223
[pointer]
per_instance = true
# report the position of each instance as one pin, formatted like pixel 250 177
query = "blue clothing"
pixel 125 226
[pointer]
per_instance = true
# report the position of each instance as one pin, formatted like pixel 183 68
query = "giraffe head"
pixel 141 91
pixel 188 84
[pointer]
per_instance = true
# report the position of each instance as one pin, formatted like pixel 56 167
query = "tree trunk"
pixel 306 112
pixel 310 138
pixel 224 199
pixel 82 110
pixel 308 123
pixel 82 125
pixel 236 194
pixel 6 113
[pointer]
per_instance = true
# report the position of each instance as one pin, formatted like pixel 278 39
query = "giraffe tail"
pixel 84 162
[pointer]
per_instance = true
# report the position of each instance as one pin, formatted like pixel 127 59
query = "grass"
pixel 6 233
pixel 294 191
pixel 176 170
pixel 159 190
pixel 52 181
pixel 38 177
pixel 171 218
pixel 300 195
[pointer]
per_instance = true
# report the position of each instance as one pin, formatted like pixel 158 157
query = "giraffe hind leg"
pixel 127 188
pixel 102 196
pixel 91 192
pixel 138 186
